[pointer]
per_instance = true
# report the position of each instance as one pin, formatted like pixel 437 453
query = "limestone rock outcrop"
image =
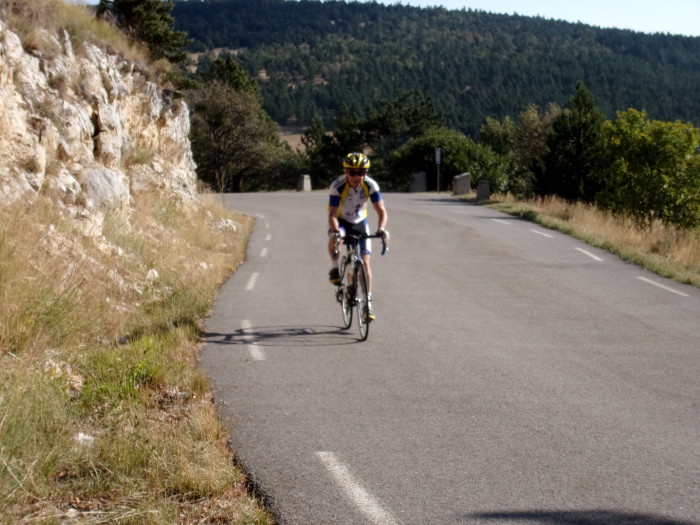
pixel 87 129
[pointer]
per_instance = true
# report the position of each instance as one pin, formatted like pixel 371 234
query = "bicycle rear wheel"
pixel 362 301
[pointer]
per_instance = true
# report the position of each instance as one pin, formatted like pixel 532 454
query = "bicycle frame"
pixel 353 241
pixel 352 254
pixel 352 271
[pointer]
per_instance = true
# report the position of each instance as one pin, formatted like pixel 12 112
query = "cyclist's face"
pixel 355 176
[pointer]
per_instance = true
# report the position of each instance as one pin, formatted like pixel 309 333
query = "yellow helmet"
pixel 355 161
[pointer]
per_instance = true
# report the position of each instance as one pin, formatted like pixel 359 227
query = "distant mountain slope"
pixel 314 57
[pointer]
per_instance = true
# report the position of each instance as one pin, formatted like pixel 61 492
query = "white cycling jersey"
pixel 351 202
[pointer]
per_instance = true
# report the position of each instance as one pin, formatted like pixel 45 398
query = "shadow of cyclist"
pixel 583 517
pixel 292 336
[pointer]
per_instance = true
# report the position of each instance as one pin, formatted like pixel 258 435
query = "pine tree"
pixel 574 150
pixel 150 22
pixel 227 70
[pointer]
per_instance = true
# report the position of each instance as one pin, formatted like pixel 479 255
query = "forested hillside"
pixel 313 57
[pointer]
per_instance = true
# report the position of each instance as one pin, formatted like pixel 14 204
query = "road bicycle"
pixel 352 293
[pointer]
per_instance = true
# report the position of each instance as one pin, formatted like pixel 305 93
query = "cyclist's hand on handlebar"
pixel 381 232
pixel 336 242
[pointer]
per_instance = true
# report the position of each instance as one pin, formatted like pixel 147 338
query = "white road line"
pixel 251 282
pixel 267 225
pixel 359 496
pixel 256 353
pixel 500 220
pixel 663 286
pixel 263 252
pixel 268 237
pixel 542 234
pixel 594 257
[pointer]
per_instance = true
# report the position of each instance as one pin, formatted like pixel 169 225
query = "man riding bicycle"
pixel 347 213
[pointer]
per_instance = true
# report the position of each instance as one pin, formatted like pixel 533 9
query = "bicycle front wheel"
pixel 344 295
pixel 362 301
pixel 344 291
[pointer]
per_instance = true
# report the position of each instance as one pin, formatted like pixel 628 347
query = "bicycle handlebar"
pixel 356 238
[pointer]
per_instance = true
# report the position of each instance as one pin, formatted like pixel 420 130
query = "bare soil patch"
pixel 292 135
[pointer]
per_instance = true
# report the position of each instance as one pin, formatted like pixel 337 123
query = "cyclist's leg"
pixel 365 250
pixel 368 270
pixel 331 244
pixel 368 277
pixel 352 228
pixel 334 274
pixel 366 258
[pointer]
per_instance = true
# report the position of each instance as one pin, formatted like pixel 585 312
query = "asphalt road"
pixel 513 375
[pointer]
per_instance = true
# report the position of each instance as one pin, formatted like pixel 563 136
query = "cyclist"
pixel 347 213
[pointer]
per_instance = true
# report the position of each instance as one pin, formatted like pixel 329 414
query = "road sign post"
pixel 438 154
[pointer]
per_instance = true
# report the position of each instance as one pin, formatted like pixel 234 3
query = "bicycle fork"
pixel 345 285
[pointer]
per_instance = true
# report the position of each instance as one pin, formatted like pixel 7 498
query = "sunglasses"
pixel 357 173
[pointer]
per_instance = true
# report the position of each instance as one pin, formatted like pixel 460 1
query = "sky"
pixel 679 17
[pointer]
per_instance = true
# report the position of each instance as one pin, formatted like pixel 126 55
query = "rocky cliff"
pixel 87 129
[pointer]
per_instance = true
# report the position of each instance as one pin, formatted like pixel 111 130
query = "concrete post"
pixel 483 190
pixel 418 182
pixel 304 183
pixel 462 184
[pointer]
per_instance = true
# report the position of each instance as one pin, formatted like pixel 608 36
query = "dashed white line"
pixel 268 237
pixel 256 353
pixel 359 496
pixel 263 252
pixel 594 257
pixel 542 234
pixel 500 220
pixel 664 287
pixel 251 282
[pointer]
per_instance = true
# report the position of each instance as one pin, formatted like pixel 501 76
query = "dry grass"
pixel 292 135
pixel 104 416
pixel 666 250
pixel 34 20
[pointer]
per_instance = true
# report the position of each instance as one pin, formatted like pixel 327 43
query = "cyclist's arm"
pixel 333 223
pixel 381 214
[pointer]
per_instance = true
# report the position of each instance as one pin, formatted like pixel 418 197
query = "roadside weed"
pixel 104 416
pixel 667 250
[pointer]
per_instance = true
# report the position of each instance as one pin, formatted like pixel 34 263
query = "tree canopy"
pixel 573 150
pixel 150 22
pixel 652 169
pixel 315 58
